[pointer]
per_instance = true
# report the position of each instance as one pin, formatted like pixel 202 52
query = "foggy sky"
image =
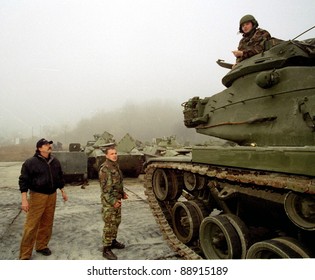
pixel 64 60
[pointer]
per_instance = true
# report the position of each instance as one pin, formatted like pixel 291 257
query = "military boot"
pixel 108 254
pixel 117 245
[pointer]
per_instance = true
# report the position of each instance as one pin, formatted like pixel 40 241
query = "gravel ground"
pixel 78 224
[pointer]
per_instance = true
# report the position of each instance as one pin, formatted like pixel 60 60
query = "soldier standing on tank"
pixel 253 41
pixel 112 192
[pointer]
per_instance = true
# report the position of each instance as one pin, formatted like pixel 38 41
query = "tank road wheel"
pixel 272 249
pixel 177 183
pixel 200 208
pixel 186 221
pixel 294 245
pixel 242 231
pixel 161 184
pixel 165 185
pixel 190 181
pixel 193 181
pixel 219 239
pixel 301 210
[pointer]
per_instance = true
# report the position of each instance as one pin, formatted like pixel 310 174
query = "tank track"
pixel 259 179
pixel 184 251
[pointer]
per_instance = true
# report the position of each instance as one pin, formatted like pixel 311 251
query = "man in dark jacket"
pixel 41 175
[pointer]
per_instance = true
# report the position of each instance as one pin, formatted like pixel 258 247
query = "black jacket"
pixel 41 175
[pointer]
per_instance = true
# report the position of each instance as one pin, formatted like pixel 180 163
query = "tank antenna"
pixel 303 33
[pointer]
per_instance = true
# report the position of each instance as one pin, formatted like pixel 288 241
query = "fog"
pixel 72 68
pixel 142 122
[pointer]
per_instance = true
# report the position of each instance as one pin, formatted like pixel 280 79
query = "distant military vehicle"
pixel 130 159
pixel 74 163
pixel 95 154
pixel 165 147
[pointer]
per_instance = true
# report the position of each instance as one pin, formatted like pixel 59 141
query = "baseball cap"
pixel 42 142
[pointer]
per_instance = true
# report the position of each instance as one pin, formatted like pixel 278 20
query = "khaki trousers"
pixel 39 223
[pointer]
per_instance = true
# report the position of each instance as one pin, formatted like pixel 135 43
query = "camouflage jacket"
pixel 253 43
pixel 111 182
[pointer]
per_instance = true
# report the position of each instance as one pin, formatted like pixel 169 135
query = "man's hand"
pixel 237 53
pixel 25 206
pixel 117 204
pixel 64 195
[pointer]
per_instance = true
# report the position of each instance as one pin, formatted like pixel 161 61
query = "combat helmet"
pixel 247 18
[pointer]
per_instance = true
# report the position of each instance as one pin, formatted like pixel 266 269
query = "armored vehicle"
pixel 95 153
pixel 130 159
pixel 254 198
pixel 74 163
pixel 164 146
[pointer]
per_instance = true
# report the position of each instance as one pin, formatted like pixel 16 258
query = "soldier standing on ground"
pixel 112 192
pixel 253 41
pixel 42 176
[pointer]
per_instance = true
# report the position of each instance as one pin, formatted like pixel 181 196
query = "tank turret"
pixel 269 100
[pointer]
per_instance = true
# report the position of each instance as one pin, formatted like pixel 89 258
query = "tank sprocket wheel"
pixel 272 249
pixel 219 239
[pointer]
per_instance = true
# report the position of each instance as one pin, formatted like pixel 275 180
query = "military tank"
pixel 253 198
pixel 130 159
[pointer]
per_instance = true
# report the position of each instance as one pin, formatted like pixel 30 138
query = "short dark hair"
pixel 112 147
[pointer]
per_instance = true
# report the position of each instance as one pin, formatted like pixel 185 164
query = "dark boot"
pixel 117 245
pixel 108 254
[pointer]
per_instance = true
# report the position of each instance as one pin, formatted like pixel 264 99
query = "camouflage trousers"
pixel 112 219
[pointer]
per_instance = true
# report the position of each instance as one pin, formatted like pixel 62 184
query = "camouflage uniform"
pixel 253 43
pixel 111 183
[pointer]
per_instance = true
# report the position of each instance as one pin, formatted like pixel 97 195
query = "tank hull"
pixel 291 160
